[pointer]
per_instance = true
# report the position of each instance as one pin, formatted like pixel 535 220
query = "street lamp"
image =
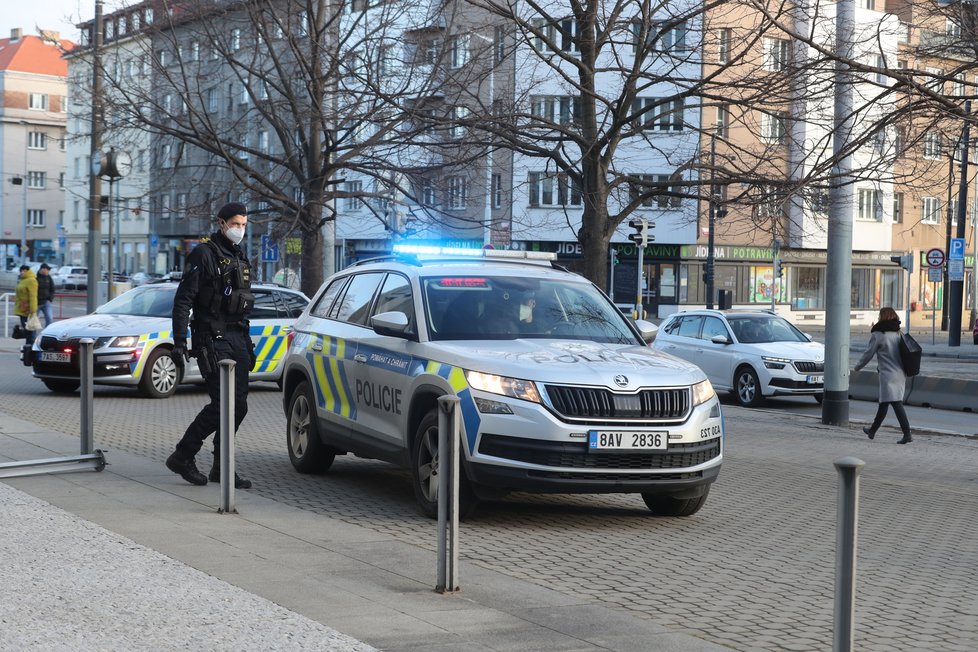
pixel 23 234
pixel 487 214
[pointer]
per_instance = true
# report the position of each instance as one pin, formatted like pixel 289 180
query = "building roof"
pixel 35 55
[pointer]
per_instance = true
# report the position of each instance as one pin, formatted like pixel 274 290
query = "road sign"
pixel 269 250
pixel 935 274
pixel 935 257
pixel 957 249
pixel 955 270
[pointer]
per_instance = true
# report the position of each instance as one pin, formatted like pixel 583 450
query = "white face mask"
pixel 235 234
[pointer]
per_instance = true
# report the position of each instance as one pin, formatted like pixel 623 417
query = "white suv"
pixel 558 390
pixel 752 353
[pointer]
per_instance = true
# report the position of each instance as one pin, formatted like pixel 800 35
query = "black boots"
pixel 906 439
pixel 869 432
pixel 186 469
pixel 215 476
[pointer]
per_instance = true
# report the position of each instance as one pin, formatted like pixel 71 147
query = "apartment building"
pixel 33 110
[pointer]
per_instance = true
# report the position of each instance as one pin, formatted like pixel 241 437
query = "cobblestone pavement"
pixel 752 571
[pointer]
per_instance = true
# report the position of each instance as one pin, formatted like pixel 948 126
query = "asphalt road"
pixel 753 570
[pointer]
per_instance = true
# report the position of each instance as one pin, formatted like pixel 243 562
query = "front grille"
pixel 575 455
pixel 600 403
pixel 806 367
pixel 49 343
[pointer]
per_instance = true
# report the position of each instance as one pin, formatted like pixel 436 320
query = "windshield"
pixel 759 329
pixel 149 301
pixel 505 308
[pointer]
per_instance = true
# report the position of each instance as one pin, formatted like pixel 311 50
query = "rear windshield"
pixel 482 307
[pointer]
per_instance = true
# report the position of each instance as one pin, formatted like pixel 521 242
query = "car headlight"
pixel 703 392
pixel 775 363
pixel 513 387
pixel 124 342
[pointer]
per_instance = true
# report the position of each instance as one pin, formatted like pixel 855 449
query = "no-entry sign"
pixel 935 257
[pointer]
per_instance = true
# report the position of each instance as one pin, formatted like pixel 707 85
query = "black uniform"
pixel 216 285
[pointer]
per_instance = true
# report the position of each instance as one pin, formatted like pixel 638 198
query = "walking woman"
pixel 884 343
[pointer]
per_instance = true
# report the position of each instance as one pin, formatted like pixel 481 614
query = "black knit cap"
pixel 231 209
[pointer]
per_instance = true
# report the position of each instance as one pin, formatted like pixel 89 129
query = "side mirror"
pixel 647 329
pixel 393 324
pixel 720 339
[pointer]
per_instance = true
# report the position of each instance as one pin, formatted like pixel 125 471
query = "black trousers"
pixel 234 346
pixel 900 413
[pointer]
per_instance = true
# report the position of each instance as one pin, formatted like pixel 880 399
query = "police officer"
pixel 216 284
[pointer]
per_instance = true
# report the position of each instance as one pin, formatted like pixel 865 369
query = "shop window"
pixel 808 288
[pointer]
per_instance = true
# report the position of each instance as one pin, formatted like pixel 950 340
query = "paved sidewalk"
pixel 126 559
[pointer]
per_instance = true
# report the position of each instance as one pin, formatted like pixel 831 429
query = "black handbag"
pixel 910 353
pixel 19 332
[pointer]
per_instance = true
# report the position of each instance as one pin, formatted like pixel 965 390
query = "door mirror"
pixel 647 329
pixel 393 324
pixel 720 339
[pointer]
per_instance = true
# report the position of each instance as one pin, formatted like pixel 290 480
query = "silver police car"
pixel 558 390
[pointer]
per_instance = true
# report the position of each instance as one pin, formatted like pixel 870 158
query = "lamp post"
pixel 487 210
pixel 23 233
pixel 711 242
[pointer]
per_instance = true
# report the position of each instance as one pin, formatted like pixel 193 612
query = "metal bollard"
pixel 448 435
pixel 87 370
pixel 849 469
pixel 227 440
pixel 88 459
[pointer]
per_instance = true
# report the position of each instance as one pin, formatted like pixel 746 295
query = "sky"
pixel 60 15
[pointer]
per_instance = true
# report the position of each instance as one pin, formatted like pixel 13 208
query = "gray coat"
pixel 886 348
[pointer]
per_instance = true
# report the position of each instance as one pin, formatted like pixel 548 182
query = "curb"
pixel 924 391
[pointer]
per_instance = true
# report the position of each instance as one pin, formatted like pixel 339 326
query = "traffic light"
pixel 778 268
pixel 641 235
pixel 614 256
pixel 905 261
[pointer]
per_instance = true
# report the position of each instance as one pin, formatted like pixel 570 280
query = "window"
pixel 163 57
pixel 38 101
pixel 497 191
pixel 931 213
pixel 37 180
pixel 932 145
pixel 899 140
pixel 652 113
pixel 499 45
pixel 37 140
pixel 263 141
pixel 457 193
pixel 661 36
pixel 61 180
pixel 952 28
pixel 723 121
pixel 774 127
pixel 555 36
pixel 775 54
pixel 868 4
pixel 432 48
pixel 354 304
pixel 181 205
pixel 210 97
pixel 235 40
pixel 395 295
pixel 459 114
pixel 148 15
pixel 771 202
pixel 36 218
pixel 166 159
pixel 556 109
pixel 723 45
pixel 898 208
pixel 194 51
pixel 325 303
pixel 354 190
pixel 868 205
pixel 458 51
pixel 881 78
pixel 656 191
pixel 428 195
pixel 548 189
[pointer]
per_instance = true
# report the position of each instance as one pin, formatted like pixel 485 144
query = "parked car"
pixel 752 353
pixel 133 340
pixel 71 277
pixel 142 278
pixel 558 391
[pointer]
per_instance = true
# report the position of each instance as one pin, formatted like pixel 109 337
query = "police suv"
pixel 558 390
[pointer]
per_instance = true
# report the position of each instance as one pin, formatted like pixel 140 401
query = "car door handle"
pixel 359 357
pixel 317 345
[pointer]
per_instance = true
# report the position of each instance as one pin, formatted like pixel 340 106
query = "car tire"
pixel 668 505
pixel 160 375
pixel 62 386
pixel 307 451
pixel 424 471
pixel 818 398
pixel 747 387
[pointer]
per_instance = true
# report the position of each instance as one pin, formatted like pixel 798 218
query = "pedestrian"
pixel 884 343
pixel 45 293
pixel 25 303
pixel 216 287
